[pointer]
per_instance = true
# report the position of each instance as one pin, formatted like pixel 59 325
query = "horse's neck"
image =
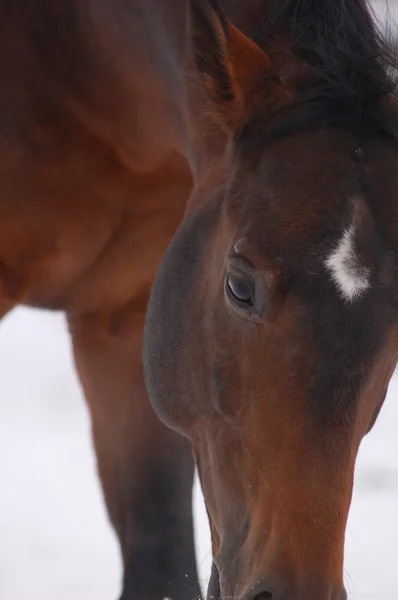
pixel 148 41
pixel 110 67
pixel 142 45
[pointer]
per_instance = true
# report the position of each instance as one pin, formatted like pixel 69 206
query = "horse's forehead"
pixel 333 237
pixel 331 220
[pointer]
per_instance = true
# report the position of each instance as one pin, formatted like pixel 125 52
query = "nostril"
pixel 275 595
pixel 273 587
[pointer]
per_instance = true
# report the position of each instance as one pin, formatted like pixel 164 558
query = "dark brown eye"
pixel 244 288
pixel 241 289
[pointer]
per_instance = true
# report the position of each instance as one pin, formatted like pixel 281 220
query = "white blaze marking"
pixel 350 277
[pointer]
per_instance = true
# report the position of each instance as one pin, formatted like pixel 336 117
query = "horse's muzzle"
pixel 277 588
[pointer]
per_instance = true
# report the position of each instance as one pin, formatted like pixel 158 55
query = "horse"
pixel 272 327
pixel 249 149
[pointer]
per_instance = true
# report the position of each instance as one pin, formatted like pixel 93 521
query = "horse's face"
pixel 272 335
pixel 274 328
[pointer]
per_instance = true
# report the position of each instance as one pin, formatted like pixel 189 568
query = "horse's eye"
pixel 241 289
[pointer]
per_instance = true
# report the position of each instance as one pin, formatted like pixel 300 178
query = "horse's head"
pixel 273 324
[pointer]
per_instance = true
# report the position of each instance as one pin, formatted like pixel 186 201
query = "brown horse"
pixel 271 337
pixel 273 326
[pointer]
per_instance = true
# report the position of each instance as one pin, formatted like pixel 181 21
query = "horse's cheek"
pixel 174 350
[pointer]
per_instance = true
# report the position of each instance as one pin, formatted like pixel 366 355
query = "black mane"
pixel 351 64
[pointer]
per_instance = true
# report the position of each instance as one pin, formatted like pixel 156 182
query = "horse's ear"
pixel 210 32
pixel 227 60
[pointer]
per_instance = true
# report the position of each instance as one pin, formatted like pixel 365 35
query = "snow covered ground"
pixel 55 541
